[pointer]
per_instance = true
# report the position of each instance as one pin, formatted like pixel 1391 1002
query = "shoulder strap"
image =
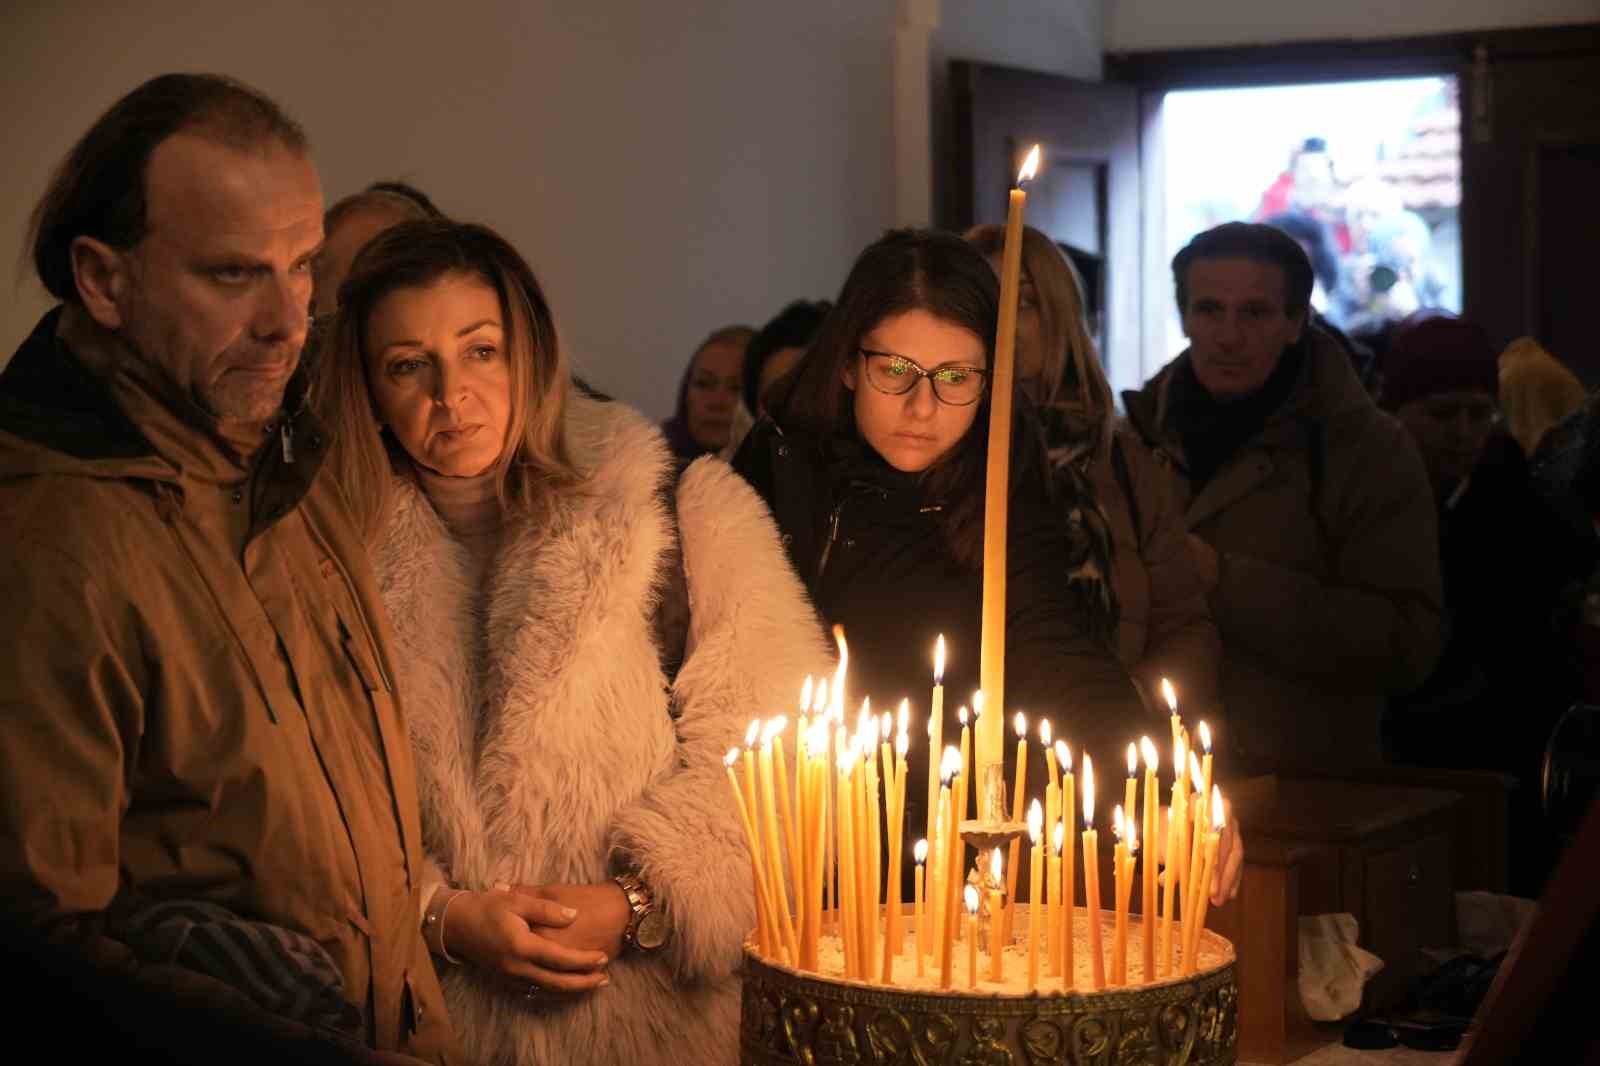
pixel 671 621
pixel 1119 469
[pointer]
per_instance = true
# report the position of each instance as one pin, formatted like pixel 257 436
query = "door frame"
pixel 1469 56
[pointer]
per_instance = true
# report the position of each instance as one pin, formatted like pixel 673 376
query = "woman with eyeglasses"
pixel 873 460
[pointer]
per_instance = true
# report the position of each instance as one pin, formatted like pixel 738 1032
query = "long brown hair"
pixel 366 457
pixel 1071 378
pixel 904 271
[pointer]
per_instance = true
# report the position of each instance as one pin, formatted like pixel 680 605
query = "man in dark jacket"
pixel 204 776
pixel 1309 507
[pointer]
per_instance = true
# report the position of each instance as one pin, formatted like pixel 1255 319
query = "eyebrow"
pixel 464 331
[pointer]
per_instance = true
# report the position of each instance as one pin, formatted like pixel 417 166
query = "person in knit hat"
pixel 1442 381
pixel 1536 392
pixel 1505 557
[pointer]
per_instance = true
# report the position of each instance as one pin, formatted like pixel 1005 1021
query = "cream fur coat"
pixel 562 762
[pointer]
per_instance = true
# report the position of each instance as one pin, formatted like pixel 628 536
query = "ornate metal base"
pixel 804 1020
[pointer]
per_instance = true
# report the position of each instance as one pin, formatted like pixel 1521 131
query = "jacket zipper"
pixel 833 535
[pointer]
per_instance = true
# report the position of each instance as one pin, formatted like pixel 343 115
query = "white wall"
pixel 1133 25
pixel 666 167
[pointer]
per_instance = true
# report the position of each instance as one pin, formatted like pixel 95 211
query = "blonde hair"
pixel 365 456
pixel 1070 378
pixel 1536 391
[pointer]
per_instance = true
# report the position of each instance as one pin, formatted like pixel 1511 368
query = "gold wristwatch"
pixel 647 927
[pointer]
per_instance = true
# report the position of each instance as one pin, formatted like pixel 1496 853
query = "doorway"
pixel 1364 175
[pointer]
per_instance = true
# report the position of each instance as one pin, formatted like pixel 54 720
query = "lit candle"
pixel 1191 954
pixel 897 807
pixel 1036 913
pixel 1171 696
pixel 1069 891
pixel 871 840
pixel 774 849
pixel 1130 791
pixel 935 733
pixel 936 872
pixel 966 758
pixel 791 836
pixel 1119 871
pixel 997 933
pixel 849 933
pixel 997 492
pixel 763 931
pixel 1051 770
pixel 764 861
pixel 1201 772
pixel 919 854
pixel 1147 899
pixel 1017 801
pixel 952 870
pixel 1053 891
pixel 970 931
pixel 1177 838
pixel 1091 875
pixel 1130 860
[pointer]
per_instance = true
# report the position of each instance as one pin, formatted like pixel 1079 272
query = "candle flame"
pixel 1063 756
pixel 886 726
pixel 902 744
pixel 904 716
pixel 961 715
pixel 1180 754
pixel 1152 759
pixel 806 690
pixel 970 894
pixel 1194 774
pixel 1133 759
pixel 1088 790
pixel 732 757
pixel 1170 694
pixel 977 703
pixel 820 703
pixel 1059 836
pixel 996 864
pixel 950 765
pixel 1133 835
pixel 752 734
pixel 919 852
pixel 1218 818
pixel 1019 722
pixel 1030 166
pixel 1035 822
pixel 1046 731
pixel 847 759
pixel 1205 737
pixel 1116 821
pixel 938 660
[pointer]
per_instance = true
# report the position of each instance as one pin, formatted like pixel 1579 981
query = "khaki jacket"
pixel 195 682
pixel 1164 629
pixel 1328 597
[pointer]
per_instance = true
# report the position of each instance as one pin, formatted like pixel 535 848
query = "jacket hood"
pixel 1327 388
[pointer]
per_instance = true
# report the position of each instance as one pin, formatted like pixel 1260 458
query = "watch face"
pixel 652 931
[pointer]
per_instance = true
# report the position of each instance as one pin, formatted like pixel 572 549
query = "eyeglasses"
pixel 958 386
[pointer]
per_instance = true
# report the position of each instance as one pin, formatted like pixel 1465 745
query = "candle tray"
pixel 793 1018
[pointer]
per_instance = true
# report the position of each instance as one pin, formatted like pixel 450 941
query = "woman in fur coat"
pixel 590 884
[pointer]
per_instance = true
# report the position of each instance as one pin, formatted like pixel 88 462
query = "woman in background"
pixel 710 415
pixel 590 891
pixel 1165 627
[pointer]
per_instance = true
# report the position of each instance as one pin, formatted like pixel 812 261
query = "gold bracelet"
pixel 433 923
